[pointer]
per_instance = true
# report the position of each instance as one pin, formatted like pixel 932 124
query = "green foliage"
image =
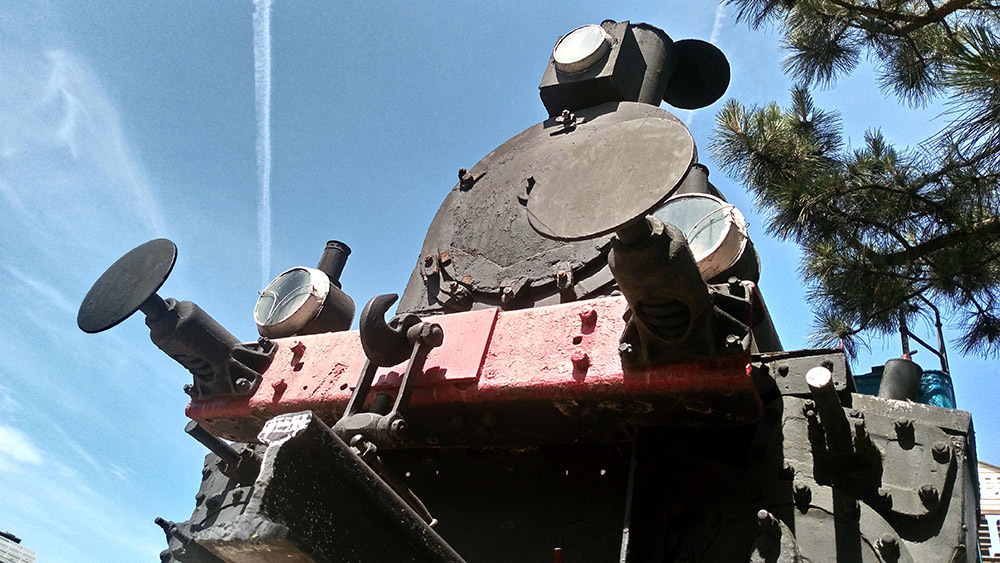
pixel 878 226
pixel 886 233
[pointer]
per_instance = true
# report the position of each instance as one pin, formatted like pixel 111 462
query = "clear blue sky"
pixel 121 122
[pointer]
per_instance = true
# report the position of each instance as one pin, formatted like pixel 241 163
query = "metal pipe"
pixel 831 412
pixel 655 46
pixel 900 380
pixel 942 351
pixel 333 260
pixel 226 452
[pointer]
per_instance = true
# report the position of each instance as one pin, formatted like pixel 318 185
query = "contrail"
pixel 262 91
pixel 720 17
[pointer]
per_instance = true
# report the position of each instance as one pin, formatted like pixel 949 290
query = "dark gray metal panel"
pixel 480 239
pixel 603 175
pixel 784 372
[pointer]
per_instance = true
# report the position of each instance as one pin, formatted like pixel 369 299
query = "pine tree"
pixel 887 233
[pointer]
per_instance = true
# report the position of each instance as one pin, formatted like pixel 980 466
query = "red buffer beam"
pixel 544 375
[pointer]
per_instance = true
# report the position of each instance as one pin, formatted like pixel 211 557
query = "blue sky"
pixel 121 122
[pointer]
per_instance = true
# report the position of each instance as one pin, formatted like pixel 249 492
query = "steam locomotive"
pixel 581 369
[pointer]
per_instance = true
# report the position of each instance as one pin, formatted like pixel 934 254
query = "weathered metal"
pixel 508 376
pixel 307 300
pixel 542 416
pixel 128 285
pixel 386 345
pixel 314 501
pixel 220 364
pixel 900 380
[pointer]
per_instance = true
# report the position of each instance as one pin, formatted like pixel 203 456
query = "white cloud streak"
pixel 59 123
pixel 16 447
pixel 720 18
pixel 262 95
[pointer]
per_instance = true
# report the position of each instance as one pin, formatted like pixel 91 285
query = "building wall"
pixel 989 522
pixel 11 552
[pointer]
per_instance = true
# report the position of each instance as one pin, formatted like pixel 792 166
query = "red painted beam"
pixel 540 375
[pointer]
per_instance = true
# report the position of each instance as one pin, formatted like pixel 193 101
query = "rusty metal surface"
pixel 480 250
pixel 314 501
pixel 605 173
pixel 547 374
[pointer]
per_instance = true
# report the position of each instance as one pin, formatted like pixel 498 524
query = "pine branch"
pixel 987 228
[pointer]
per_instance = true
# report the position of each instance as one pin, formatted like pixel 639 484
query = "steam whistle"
pixel 219 362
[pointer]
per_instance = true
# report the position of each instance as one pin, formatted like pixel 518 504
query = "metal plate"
pixel 702 75
pixel 466 340
pixel 602 175
pixel 123 287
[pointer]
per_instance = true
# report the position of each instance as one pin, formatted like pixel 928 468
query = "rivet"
pixel 928 494
pixel 884 495
pixel 802 493
pixel 580 360
pixel 941 451
pixel 887 545
pixel 768 523
pixel 588 316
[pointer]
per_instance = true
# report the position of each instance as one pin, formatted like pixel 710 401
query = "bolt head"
pixel 941 451
pixel 398 428
pixel 928 493
pixel 802 493
pixel 625 349
pixel 580 359
pixel 903 424
pixel 243 385
pixel 888 545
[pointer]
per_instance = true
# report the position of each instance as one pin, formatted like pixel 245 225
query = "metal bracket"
pixel 386 344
